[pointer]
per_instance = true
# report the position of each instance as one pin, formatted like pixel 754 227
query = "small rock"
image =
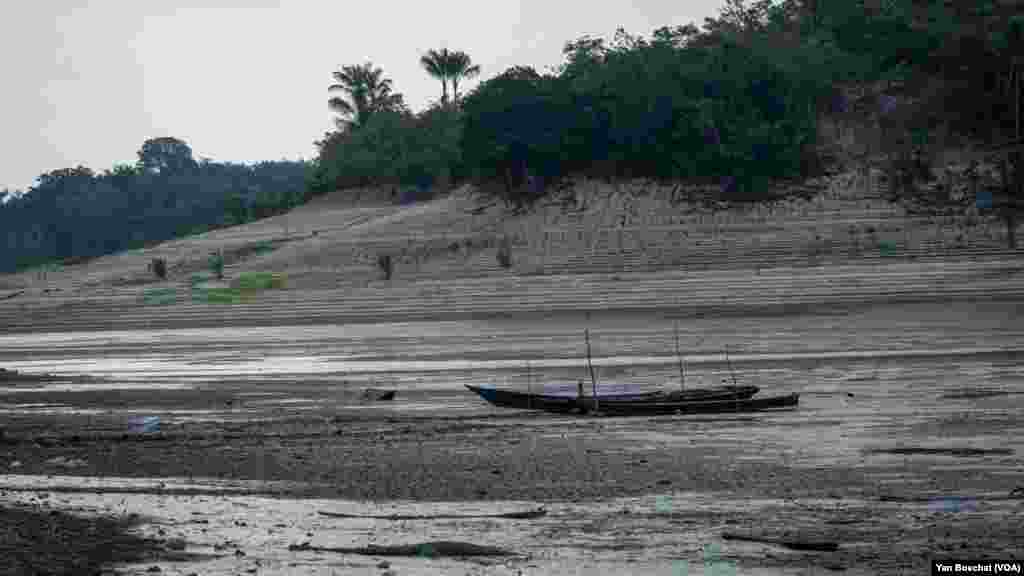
pixel 16 464
pixel 176 544
pixel 383 564
pixel 239 553
pixel 154 569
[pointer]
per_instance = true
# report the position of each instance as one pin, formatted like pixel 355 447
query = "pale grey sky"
pixel 87 81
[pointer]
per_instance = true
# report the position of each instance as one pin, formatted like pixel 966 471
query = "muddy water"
pixel 869 380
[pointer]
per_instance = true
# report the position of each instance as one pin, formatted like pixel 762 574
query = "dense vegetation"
pixel 736 102
pixel 75 213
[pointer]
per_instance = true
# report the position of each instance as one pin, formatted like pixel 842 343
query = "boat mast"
pixel 590 364
pixel 529 385
pixel 679 358
pixel 730 366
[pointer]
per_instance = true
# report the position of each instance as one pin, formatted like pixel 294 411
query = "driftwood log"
pixel 959 451
pixel 969 394
pixel 428 549
pixel 529 514
pixel 792 543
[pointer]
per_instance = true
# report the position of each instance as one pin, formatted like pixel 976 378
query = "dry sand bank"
pixel 627 227
pixel 771 292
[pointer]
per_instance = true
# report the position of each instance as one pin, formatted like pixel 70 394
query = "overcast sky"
pixel 86 82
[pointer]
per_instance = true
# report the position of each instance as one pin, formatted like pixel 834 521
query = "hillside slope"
pixel 672 243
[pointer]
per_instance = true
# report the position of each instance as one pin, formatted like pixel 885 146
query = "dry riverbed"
pixel 621 495
pixel 906 445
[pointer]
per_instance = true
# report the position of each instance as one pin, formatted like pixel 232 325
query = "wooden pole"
pixel 590 364
pixel 730 366
pixel 679 359
pixel 1016 91
pixel 529 386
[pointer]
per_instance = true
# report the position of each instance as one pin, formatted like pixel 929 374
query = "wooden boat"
pixel 510 399
pixel 699 407
pixel 635 405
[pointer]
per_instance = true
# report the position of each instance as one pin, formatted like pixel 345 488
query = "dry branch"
pixel 794 544
pixel 427 549
pixel 526 515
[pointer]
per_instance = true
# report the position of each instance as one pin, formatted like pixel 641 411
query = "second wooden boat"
pixel 706 407
pixel 511 399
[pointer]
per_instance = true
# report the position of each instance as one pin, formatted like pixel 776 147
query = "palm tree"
pixel 449 67
pixel 435 62
pixel 460 65
pixel 368 92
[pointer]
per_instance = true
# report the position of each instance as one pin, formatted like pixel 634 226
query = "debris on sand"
pixel 13 375
pixel 144 424
pixel 66 462
pixel 526 515
pixel 426 549
pixel 912 450
pixel 969 394
pixel 378 395
pixel 791 543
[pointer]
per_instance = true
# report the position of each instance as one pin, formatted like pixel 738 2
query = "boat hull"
pixel 706 407
pixel 510 399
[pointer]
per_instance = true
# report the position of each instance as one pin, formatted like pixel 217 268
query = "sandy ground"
pixel 240 483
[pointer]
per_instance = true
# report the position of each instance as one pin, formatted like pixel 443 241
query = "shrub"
pixel 263 247
pixel 216 262
pixel 886 248
pixel 505 253
pixel 384 263
pixel 159 268
pixel 199 278
pixel 217 295
pixel 159 296
pixel 261 281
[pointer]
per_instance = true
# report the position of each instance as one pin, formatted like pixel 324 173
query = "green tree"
pixel 166 155
pixel 367 91
pixel 460 66
pixel 435 62
pixel 126 170
pixel 449 66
